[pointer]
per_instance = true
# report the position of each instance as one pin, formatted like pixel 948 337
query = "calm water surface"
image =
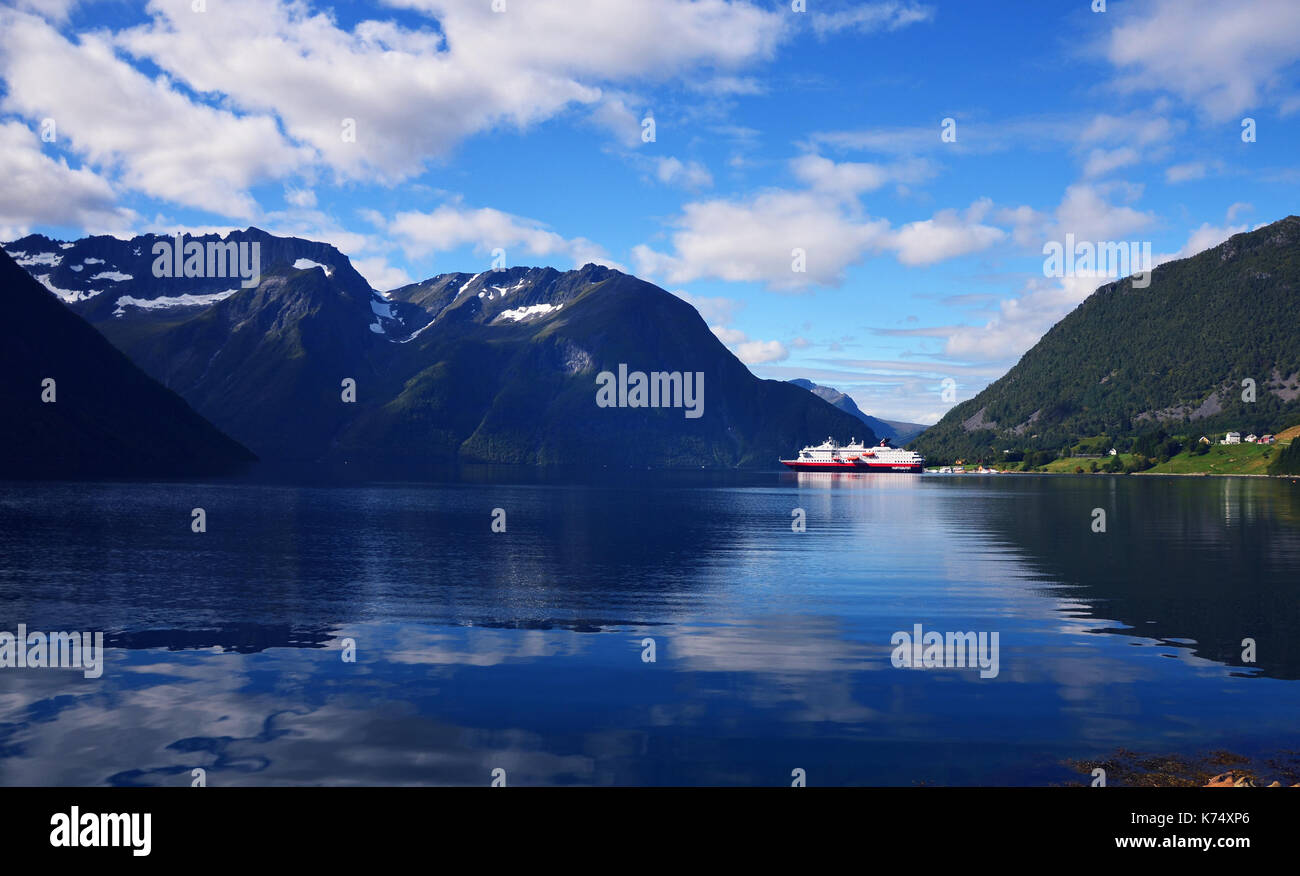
pixel 523 650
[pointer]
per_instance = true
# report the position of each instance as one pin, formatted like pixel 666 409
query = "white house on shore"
pixel 1252 438
pixel 1231 438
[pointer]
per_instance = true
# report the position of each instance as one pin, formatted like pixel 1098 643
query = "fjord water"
pixel 523 650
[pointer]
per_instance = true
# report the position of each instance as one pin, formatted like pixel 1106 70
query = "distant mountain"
pixel 500 366
pixel 899 433
pixel 1172 356
pixel 106 416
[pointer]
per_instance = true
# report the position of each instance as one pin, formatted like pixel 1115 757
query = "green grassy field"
pixel 1237 459
pixel 1222 459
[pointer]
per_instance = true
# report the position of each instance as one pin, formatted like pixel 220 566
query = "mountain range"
pixel 499 366
pixel 1213 344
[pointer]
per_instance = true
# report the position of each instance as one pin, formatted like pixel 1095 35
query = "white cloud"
pixel 381 275
pixel 948 235
pixel 690 175
pixel 1102 161
pixel 849 179
pixel 1224 57
pixel 614 113
pixel 751 352
pixel 1208 236
pixel 754 240
pixel 305 198
pixel 451 226
pixel 55 10
pixel 1018 322
pixel 870 17
pixel 758 352
pixel 1142 128
pixel 1178 173
pixel 1021 321
pixel 40 190
pixel 1086 212
pixel 714 310
pixel 114 117
pixel 416 93
pixel 728 336
pixel 768 236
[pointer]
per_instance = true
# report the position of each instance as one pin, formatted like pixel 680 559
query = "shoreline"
pixel 1120 474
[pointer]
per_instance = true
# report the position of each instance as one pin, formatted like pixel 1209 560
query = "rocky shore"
pixel 1215 769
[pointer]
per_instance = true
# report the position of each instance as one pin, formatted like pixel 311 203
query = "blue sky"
pixel 775 130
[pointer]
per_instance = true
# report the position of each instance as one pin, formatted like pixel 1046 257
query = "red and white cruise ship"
pixel 855 457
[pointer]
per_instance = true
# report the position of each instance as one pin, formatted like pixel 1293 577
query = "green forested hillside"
pixel 1172 356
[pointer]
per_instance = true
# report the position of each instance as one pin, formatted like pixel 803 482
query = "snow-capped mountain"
pixel 496 366
pixel 104 277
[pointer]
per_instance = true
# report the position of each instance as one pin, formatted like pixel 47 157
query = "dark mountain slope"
pixel 499 366
pixel 108 419
pixel 524 389
pixel 268 363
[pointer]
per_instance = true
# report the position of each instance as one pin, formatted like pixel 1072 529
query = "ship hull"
pixel 852 467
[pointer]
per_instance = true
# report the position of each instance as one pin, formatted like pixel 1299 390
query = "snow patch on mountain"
pixel 69 296
pixel 45 259
pixel 471 282
pixel 304 264
pixel 519 314
pixel 170 301
pixel 415 334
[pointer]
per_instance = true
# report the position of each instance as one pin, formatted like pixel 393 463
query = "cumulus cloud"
pixel 1223 57
pixel 849 178
pixel 55 10
pixel 948 235
pixel 758 352
pixel 1102 161
pixel 1086 212
pixel 793 240
pixel 757 240
pixel 157 140
pixel 747 350
pixel 380 274
pixel 41 190
pixel 689 174
pixel 485 229
pixel 305 198
pixel 415 93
